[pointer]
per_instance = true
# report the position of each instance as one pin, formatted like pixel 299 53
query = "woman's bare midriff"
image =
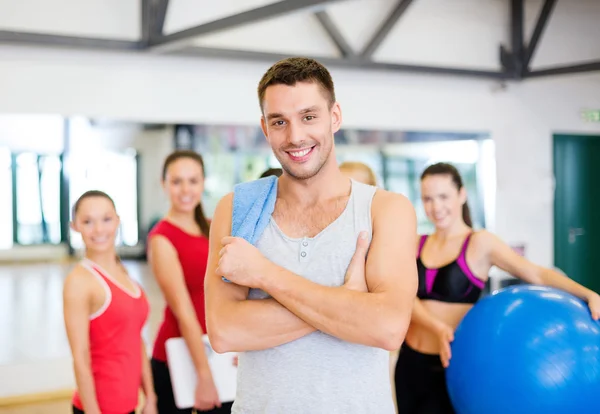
pixel 425 341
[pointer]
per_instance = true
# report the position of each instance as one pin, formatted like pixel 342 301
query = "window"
pixel 38 198
pixel 6 213
pixel 400 176
pixel 367 154
pixel 225 169
pixel 50 167
pixel 403 177
pixel 116 175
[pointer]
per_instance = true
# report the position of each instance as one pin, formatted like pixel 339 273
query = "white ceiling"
pixel 450 33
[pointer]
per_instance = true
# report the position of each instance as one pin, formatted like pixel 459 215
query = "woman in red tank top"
pixel 178 254
pixel 104 313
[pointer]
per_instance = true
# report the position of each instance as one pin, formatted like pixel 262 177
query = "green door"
pixel 577 208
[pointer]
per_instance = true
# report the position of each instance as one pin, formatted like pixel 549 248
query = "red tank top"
pixel 192 252
pixel 116 345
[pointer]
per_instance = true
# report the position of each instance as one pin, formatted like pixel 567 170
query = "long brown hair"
pixel 442 168
pixel 272 171
pixel 199 216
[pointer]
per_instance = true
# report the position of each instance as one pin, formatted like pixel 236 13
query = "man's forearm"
pixel 361 317
pixel 257 324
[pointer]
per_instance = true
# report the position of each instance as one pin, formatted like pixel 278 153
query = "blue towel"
pixel 253 204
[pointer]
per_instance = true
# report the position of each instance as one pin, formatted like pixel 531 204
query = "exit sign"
pixel 591 115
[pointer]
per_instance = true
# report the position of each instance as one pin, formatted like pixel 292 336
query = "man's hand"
pixel 355 275
pixel 241 263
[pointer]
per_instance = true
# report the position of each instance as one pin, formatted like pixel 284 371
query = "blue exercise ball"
pixel 526 349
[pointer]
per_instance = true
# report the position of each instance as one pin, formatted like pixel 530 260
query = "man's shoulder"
pixel 393 217
pixel 225 202
pixel 388 208
pixel 387 201
pixel 223 209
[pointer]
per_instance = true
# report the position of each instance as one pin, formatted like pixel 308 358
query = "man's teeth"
pixel 300 153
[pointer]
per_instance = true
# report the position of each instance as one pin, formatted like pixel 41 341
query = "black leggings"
pixel 78 411
pixel 421 384
pixel 164 393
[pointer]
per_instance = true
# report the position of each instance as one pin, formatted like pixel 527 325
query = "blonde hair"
pixel 351 166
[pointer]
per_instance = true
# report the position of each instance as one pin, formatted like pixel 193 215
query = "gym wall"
pixel 144 88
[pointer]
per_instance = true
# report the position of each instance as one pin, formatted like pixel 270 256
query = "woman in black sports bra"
pixel 453 264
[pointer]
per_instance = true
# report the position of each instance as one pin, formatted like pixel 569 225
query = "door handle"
pixel 574 232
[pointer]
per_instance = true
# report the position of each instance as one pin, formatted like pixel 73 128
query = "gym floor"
pixel 35 361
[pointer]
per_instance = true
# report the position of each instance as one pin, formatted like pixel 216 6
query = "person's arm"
pixel 147 382
pixel 77 304
pixel 502 256
pixel 234 323
pixel 443 331
pixel 167 270
pixel 379 317
pixel 421 316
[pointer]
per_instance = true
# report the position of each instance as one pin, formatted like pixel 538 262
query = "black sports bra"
pixel 454 282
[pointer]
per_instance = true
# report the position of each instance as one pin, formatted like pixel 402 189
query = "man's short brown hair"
pixel 297 69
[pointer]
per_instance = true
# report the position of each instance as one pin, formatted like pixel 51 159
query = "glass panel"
pixel 6 213
pixel 123 177
pixel 398 176
pixel 220 170
pixel 38 198
pixel 225 169
pixel 368 155
pixel 115 174
pixel 29 211
pixel 404 171
pixel 50 188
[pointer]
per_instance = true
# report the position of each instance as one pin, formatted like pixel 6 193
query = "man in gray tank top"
pixel 311 314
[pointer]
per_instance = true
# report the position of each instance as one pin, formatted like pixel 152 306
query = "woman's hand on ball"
pixel 594 305
pixel 445 335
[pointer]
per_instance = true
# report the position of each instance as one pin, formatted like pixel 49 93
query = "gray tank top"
pixel 317 373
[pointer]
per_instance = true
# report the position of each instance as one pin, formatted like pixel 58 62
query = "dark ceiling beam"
pixel 361 64
pixel 280 8
pixel 334 33
pixel 153 14
pixel 385 28
pixel 39 39
pixel 540 25
pixel 517 23
pixel 160 16
pixel 565 70
pixel 146 13
pixel 154 11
